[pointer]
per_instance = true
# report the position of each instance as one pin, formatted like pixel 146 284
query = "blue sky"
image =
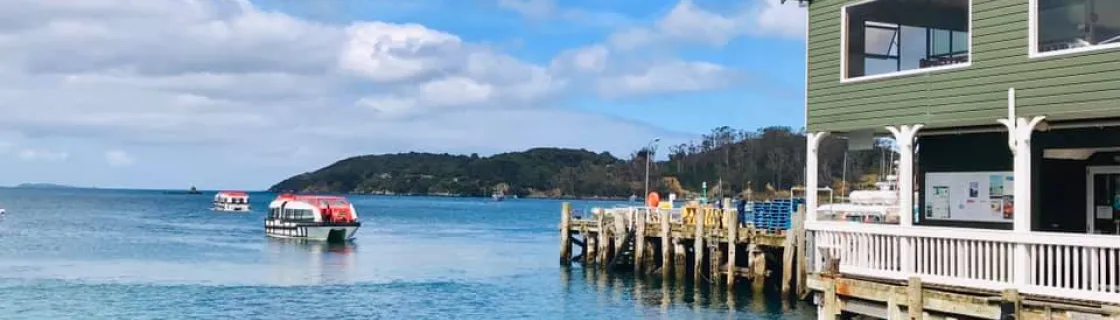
pixel 242 94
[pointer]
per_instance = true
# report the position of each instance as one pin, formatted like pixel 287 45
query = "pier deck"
pixel 706 244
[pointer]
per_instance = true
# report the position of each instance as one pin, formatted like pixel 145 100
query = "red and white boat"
pixel 323 218
pixel 236 201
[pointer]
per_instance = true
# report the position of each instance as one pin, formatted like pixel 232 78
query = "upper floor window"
pixel 884 38
pixel 1060 26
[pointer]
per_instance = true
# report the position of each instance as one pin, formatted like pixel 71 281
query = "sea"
pixel 150 254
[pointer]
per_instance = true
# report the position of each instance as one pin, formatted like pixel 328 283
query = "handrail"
pixel 1035 237
pixel 1079 266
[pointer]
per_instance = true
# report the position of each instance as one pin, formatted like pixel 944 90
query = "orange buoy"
pixel 652 200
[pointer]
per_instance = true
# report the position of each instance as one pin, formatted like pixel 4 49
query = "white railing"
pixel 1085 267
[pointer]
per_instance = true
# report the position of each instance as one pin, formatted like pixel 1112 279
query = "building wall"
pixel 1063 87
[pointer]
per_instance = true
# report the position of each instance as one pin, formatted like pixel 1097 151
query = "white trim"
pixel 1032 38
pixel 807 33
pixel 844 51
pixel 1090 215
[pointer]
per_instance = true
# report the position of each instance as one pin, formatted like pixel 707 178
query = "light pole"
pixel 649 155
pixel 844 171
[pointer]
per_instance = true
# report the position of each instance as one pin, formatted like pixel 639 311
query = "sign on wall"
pixel 969 196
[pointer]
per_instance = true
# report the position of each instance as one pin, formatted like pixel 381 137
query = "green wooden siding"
pixel 1063 87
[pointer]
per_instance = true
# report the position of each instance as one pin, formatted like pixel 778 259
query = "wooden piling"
pixel 639 242
pixel 666 246
pixel 680 259
pixel 591 256
pixel 787 263
pixel 914 303
pixel 793 256
pixel 830 303
pixel 716 262
pixel 1009 305
pixel 801 259
pixel 583 247
pixel 601 241
pixel 698 247
pixel 757 269
pixel 565 234
pixel 732 243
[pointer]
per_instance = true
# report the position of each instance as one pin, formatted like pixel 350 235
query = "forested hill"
pixel 771 158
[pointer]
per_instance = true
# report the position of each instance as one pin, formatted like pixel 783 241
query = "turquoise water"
pixel 115 254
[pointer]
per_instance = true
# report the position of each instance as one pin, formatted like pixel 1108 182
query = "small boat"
pixel 321 218
pixel 2 212
pixel 194 190
pixel 235 201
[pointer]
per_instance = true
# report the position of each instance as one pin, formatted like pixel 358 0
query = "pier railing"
pixel 1084 267
pixel 714 219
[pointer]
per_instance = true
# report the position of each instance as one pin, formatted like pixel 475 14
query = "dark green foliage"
pixel 769 156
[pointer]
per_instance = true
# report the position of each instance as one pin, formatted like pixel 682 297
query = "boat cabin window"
pixel 298 215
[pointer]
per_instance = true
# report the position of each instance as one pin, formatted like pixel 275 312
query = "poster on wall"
pixel 969 196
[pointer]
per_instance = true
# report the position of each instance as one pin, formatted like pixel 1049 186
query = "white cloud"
pixel 386 52
pixel 119 158
pixel 688 23
pixel 37 155
pixel 537 9
pixel 264 93
pixel 678 76
pixel 786 20
pixel 571 16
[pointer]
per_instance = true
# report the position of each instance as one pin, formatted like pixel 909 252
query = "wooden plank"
pixel 932 300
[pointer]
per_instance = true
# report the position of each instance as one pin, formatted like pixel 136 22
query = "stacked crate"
pixel 775 215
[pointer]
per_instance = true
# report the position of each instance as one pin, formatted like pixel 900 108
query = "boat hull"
pixel 329 232
pixel 228 207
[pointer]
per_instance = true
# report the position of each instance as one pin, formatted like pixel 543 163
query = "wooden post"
pixel 680 259
pixel 716 258
pixel 757 268
pixel 601 240
pixel 639 242
pixel 591 256
pixel 698 248
pixel 666 246
pixel 914 303
pixel 1009 305
pixel 787 262
pixel 583 246
pixel 732 243
pixel 565 234
pixel 800 251
pixel 792 255
pixel 830 306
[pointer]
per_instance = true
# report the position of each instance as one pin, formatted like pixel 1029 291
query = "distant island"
pixel 46 186
pixel 766 161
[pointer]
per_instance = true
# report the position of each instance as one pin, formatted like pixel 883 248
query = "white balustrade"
pixel 1085 267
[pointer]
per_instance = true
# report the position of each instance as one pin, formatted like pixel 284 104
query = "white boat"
pixel 321 218
pixel 234 201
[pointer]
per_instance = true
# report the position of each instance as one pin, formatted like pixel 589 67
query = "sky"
pixel 240 94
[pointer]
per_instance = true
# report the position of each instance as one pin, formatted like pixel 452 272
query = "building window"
pixel 1075 25
pixel 883 38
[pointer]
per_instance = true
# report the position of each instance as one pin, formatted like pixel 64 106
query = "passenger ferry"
pixel 236 201
pixel 323 218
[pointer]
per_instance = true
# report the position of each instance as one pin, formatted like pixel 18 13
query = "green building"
pixel 1006 117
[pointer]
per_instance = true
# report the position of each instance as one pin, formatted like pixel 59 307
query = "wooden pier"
pixel 703 245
